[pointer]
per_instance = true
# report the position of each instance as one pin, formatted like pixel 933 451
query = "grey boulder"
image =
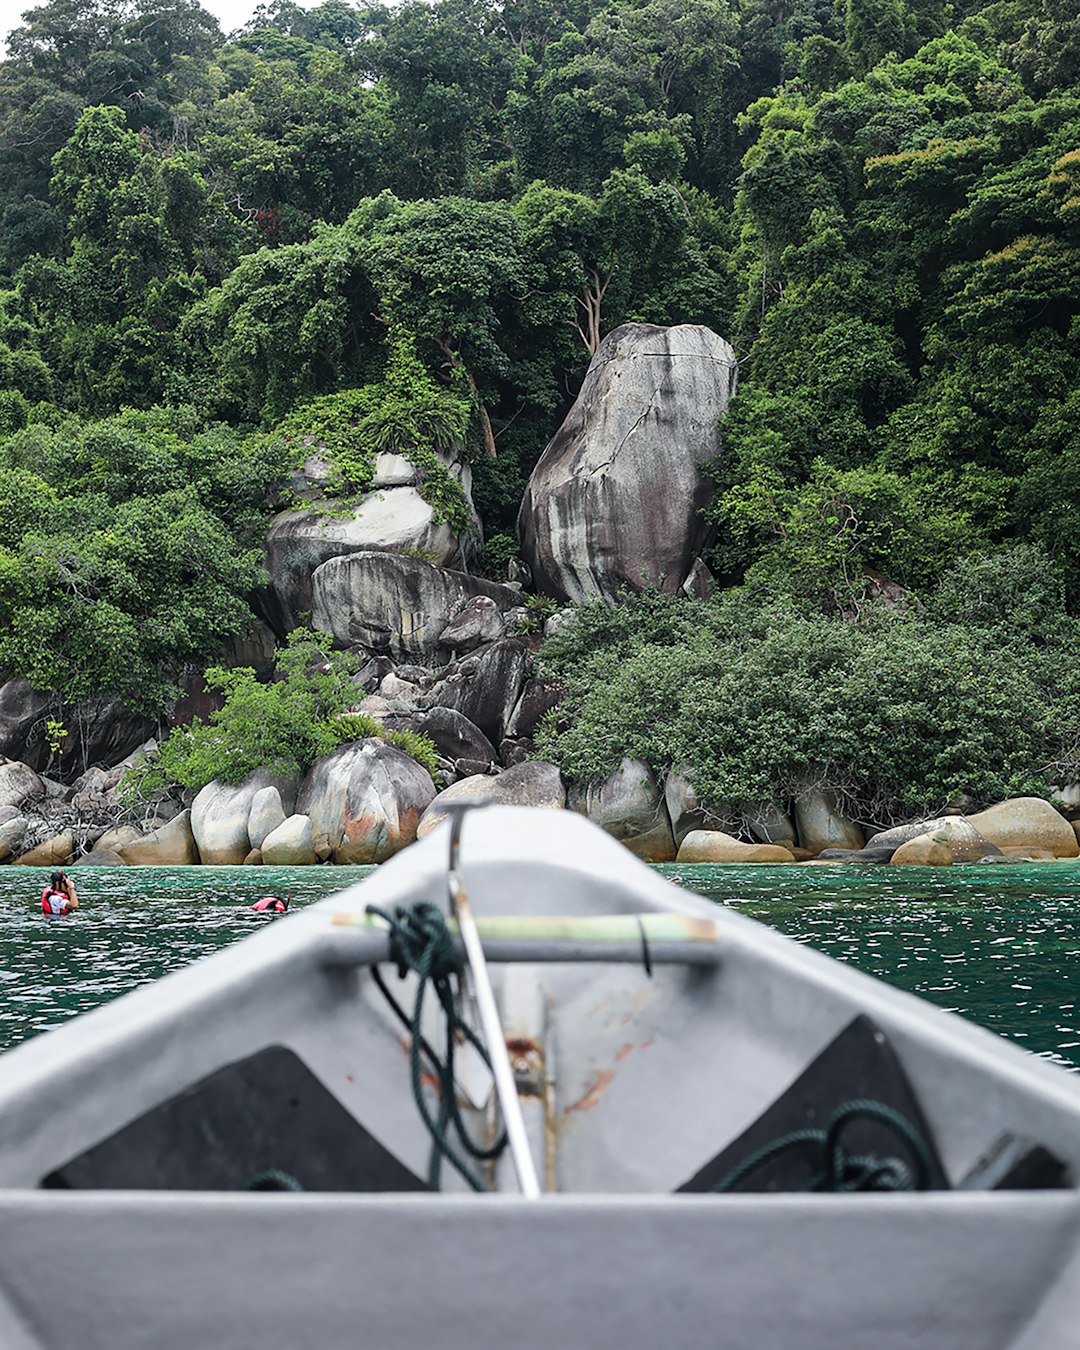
pixel 453 735
pixel 106 730
pixel 19 784
pixel 170 845
pixel 616 499
pixel 364 801
pixel 265 814
pixel 220 811
pixel 13 827
pixel 290 844
pixel 821 823
pixel 485 686
pixel 393 520
pixel 535 783
pixel 629 806
pixel 401 606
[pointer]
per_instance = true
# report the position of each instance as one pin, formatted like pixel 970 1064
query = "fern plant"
pixel 351 726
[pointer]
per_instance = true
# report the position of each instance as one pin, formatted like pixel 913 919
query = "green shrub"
pixel 538 609
pixel 360 727
pixel 353 727
pixel 496 554
pixel 406 414
pixel 284 726
pixel 897 715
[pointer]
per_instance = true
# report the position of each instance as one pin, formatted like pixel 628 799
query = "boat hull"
pixel 893 1272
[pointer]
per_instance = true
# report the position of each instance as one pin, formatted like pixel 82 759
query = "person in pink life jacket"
pixel 270 904
pixel 59 896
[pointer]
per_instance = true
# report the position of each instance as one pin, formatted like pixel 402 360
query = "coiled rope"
pixel 839 1170
pixel 421 942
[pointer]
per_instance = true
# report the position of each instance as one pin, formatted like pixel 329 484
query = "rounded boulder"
pixel 1028 821
pixel 714 846
pixel 364 801
pixel 629 806
pixel 534 783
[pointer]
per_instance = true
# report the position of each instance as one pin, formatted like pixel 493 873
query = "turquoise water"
pixel 999 944
pixel 133 924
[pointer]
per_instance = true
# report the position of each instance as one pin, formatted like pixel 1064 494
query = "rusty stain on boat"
pixel 603 1080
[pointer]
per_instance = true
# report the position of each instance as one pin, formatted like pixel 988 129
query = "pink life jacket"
pixel 270 904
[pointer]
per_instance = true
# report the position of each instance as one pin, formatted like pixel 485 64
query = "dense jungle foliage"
pixel 213 246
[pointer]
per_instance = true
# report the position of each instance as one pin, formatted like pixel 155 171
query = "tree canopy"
pixel 403 217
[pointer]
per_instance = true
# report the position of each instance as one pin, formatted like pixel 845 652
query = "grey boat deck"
pixel 646 1079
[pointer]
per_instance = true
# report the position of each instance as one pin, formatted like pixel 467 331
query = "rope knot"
pixel 420 940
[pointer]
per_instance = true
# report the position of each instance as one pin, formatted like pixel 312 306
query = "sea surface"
pixel 1000 944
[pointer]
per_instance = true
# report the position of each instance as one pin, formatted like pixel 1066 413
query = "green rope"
pixel 421 942
pixel 273 1179
pixel 839 1170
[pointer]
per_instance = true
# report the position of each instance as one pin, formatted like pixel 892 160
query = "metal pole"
pixel 495 1039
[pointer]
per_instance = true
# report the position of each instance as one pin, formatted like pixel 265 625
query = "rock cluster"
pixel 1021 829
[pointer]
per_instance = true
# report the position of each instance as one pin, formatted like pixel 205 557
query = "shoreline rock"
pixel 366 821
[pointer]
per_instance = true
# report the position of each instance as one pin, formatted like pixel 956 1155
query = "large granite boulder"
pixel 170 845
pixel 953 840
pixel 453 735
pixel 290 844
pixel 479 621
pixel 535 784
pixel 117 838
pixel 13 827
pixel 265 815
pixel 485 686
pixel 683 807
pixel 769 824
pixel 539 695
pixel 19 784
pixel 220 811
pixel 1027 822
pixel 364 801
pixel 714 846
pixel 821 823
pixel 100 730
pixel 896 835
pixel 312 480
pixel 616 498
pixel 56 851
pixel 628 805
pixel 402 606
pixel 100 857
pixel 392 520
pixel 1020 822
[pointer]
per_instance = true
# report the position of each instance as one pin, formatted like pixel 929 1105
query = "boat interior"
pixel 678 1080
